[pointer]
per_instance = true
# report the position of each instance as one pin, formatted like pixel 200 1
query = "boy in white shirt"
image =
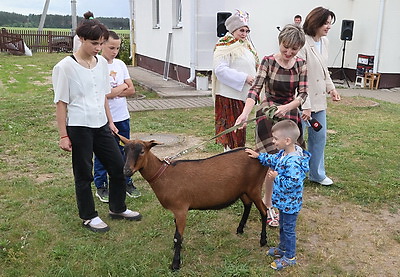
pixel 121 87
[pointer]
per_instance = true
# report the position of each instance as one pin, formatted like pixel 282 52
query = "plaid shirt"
pixel 281 85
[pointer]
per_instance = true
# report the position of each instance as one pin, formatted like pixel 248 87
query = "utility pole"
pixel 43 17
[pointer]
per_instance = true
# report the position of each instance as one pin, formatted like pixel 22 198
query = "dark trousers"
pixel 86 141
pixel 100 173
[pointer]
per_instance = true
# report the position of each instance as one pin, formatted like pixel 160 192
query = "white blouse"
pixel 83 90
pixel 232 75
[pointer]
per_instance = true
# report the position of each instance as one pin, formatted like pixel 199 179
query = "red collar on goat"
pixel 159 172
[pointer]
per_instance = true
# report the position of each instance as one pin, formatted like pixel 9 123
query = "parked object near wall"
pixel 202 82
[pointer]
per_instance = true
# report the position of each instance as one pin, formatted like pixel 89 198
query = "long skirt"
pixel 227 110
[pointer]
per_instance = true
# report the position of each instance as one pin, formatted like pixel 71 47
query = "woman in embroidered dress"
pixel 80 83
pixel 284 77
pixel 235 63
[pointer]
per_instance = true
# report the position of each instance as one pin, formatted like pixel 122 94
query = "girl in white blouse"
pixel 85 124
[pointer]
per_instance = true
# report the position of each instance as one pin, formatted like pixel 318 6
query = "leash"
pixel 268 112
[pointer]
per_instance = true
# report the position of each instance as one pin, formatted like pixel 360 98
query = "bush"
pixel 125 51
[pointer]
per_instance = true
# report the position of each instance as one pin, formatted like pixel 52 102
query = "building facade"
pixel 177 37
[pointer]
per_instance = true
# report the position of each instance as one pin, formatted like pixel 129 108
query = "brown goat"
pixel 211 183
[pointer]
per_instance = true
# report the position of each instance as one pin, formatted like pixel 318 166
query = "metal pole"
pixel 379 36
pixel 43 17
pixel 74 18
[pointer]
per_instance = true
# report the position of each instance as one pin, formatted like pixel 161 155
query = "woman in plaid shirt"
pixel 284 77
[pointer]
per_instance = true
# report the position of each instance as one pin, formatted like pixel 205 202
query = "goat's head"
pixel 136 154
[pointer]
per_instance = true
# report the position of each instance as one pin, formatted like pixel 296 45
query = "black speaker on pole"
pixel 346 34
pixel 221 18
pixel 347 30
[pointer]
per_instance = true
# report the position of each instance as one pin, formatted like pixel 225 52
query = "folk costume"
pixel 234 60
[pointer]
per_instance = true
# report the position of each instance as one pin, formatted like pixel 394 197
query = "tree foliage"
pixel 56 21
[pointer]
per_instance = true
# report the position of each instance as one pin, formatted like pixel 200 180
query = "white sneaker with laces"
pixel 326 182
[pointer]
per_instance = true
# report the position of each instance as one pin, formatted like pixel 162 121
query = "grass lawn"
pixel 348 229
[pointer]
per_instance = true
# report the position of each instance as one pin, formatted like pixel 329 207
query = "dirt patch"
pixel 357 102
pixel 12 80
pixel 355 238
pixel 174 145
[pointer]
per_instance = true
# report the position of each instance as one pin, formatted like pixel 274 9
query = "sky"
pixel 107 8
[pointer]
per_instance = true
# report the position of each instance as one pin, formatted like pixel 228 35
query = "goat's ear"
pixel 122 138
pixel 154 143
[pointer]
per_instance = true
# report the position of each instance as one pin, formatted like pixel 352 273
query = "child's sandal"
pixel 283 262
pixel 272 218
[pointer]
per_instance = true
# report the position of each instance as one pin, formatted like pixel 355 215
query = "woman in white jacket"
pixel 315 51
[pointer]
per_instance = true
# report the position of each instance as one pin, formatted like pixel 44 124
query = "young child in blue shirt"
pixel 288 167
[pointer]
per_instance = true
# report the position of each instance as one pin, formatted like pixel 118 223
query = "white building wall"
pixel 265 16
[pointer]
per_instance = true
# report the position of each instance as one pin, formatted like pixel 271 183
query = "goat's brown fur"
pixel 210 183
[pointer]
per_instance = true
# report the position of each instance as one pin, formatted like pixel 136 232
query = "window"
pixel 177 14
pixel 156 14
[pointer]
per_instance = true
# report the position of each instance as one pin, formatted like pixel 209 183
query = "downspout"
pixel 379 36
pixel 193 40
pixel 132 31
pixel 74 18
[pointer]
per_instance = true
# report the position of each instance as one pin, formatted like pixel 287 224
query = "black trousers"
pixel 100 141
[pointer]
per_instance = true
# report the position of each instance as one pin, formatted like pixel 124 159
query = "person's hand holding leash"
pixel 241 119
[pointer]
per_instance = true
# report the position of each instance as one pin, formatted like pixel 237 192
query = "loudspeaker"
pixel 221 18
pixel 347 30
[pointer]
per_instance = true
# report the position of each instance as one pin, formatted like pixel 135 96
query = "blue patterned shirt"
pixel 287 194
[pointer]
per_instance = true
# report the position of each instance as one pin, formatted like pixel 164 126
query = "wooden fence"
pixel 44 41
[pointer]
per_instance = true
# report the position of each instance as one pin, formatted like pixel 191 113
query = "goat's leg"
pixel 246 211
pixel 180 223
pixel 262 208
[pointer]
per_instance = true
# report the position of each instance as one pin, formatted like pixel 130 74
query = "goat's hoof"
pixel 239 230
pixel 263 242
pixel 175 266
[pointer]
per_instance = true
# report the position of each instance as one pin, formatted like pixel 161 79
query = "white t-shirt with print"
pixel 118 73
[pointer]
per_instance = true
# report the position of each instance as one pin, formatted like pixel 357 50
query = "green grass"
pixel 40 229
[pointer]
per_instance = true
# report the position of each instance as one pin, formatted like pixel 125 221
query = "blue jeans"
pixel 100 173
pixel 316 146
pixel 287 233
pixel 86 141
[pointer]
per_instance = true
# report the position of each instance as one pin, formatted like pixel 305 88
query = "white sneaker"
pixel 326 182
